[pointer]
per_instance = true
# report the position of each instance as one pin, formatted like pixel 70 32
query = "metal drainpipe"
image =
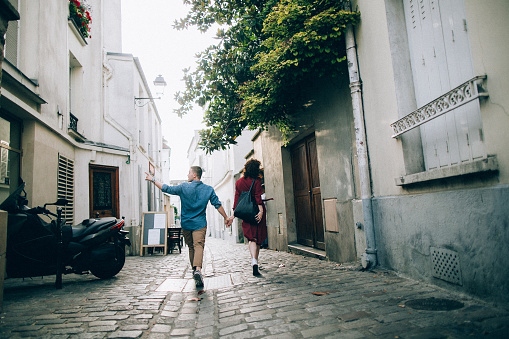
pixel 370 256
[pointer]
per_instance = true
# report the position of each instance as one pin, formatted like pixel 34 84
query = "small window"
pixel 11 39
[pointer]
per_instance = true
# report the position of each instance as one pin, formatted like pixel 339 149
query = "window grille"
pixel 65 182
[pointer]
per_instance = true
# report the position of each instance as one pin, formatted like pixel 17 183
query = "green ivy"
pixel 253 78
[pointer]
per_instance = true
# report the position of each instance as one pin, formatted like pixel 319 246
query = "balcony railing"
pixel 73 129
pixel 464 93
pixel 73 122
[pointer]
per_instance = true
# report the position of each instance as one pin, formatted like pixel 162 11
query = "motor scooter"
pixel 39 243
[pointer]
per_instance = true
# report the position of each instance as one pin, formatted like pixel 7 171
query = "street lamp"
pixel 160 85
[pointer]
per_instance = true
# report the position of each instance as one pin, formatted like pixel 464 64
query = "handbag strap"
pixel 251 186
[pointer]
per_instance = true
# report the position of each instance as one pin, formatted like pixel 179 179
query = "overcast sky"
pixel 147 33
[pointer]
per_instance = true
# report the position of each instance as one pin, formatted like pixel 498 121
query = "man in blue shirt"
pixel 194 197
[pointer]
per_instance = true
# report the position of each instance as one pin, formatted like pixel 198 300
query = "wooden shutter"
pixel 441 60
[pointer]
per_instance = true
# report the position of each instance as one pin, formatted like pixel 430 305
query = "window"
pixel 441 61
pixel 65 183
pixel 10 156
pixel 75 92
pixel 11 39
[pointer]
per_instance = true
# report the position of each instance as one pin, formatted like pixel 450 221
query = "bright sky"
pixel 147 33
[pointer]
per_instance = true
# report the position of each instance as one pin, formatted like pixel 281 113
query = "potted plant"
pixel 80 15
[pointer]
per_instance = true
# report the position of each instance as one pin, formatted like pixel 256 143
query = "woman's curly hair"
pixel 252 168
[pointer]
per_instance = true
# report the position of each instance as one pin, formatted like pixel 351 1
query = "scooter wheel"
pixel 109 270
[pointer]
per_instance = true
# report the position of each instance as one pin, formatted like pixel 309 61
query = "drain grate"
pixel 434 304
pixel 446 265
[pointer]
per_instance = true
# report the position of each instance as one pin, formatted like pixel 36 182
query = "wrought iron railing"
pixel 73 122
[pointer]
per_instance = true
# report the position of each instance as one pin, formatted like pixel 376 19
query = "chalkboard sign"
pixel 154 230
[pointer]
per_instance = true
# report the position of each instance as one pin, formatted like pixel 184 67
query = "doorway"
pixel 104 191
pixel 307 195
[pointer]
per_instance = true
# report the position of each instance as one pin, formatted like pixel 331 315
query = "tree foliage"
pixel 267 49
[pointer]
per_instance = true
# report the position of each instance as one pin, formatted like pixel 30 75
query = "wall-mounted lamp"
pixel 160 85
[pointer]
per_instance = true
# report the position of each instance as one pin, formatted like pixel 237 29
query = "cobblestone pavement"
pixel 296 297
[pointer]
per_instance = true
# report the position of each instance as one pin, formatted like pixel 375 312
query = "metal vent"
pixel 446 265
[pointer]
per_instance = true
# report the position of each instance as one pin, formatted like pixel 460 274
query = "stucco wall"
pixel 379 97
pixel 387 81
pixel 488 30
pixel 473 222
pixel 333 123
pixel 40 153
pixel 465 214
pixel 119 114
pixel 330 118
pixel 280 215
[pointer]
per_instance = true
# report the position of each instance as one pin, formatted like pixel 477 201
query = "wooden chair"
pixel 174 238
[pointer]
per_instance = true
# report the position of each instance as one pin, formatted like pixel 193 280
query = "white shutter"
pixel 441 60
pixel 460 66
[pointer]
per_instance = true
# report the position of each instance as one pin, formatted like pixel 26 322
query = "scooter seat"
pixel 89 227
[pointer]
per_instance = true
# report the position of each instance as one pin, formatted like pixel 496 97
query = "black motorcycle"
pixel 39 247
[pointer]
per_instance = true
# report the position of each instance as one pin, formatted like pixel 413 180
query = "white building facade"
pixel 75 127
pixel 403 161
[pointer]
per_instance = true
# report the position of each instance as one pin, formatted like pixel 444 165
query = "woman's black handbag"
pixel 247 208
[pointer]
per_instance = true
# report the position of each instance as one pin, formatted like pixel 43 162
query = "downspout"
pixel 369 259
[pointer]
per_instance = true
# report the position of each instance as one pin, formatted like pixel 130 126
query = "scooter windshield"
pixel 11 203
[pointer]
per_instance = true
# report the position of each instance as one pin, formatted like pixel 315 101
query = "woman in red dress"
pixel 254 233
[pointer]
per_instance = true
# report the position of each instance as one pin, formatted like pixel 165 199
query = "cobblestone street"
pixel 296 297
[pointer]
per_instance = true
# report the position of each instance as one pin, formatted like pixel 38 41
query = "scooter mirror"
pixel 59 202
pixel 62 202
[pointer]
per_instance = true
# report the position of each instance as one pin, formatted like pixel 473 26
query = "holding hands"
pixel 259 216
pixel 228 222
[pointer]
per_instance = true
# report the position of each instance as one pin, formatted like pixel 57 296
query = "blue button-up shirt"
pixel 194 197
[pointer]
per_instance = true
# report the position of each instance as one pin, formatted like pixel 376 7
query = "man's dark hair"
pixel 252 169
pixel 197 170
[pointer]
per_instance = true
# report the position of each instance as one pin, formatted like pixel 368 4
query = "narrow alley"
pixel 296 297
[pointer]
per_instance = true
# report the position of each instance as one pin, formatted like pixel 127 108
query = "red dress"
pixel 253 232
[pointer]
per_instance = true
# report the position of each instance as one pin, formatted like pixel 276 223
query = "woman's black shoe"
pixel 255 270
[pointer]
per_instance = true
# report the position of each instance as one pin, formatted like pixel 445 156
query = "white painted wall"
pixel 104 83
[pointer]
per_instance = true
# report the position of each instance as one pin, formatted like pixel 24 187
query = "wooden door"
pixel 308 199
pixel 104 191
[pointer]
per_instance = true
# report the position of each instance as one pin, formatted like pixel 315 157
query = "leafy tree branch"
pixel 267 49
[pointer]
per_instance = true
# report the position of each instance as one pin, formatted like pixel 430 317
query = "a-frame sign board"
pixel 154 231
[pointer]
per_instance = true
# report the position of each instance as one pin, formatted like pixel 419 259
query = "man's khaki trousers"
pixel 196 242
